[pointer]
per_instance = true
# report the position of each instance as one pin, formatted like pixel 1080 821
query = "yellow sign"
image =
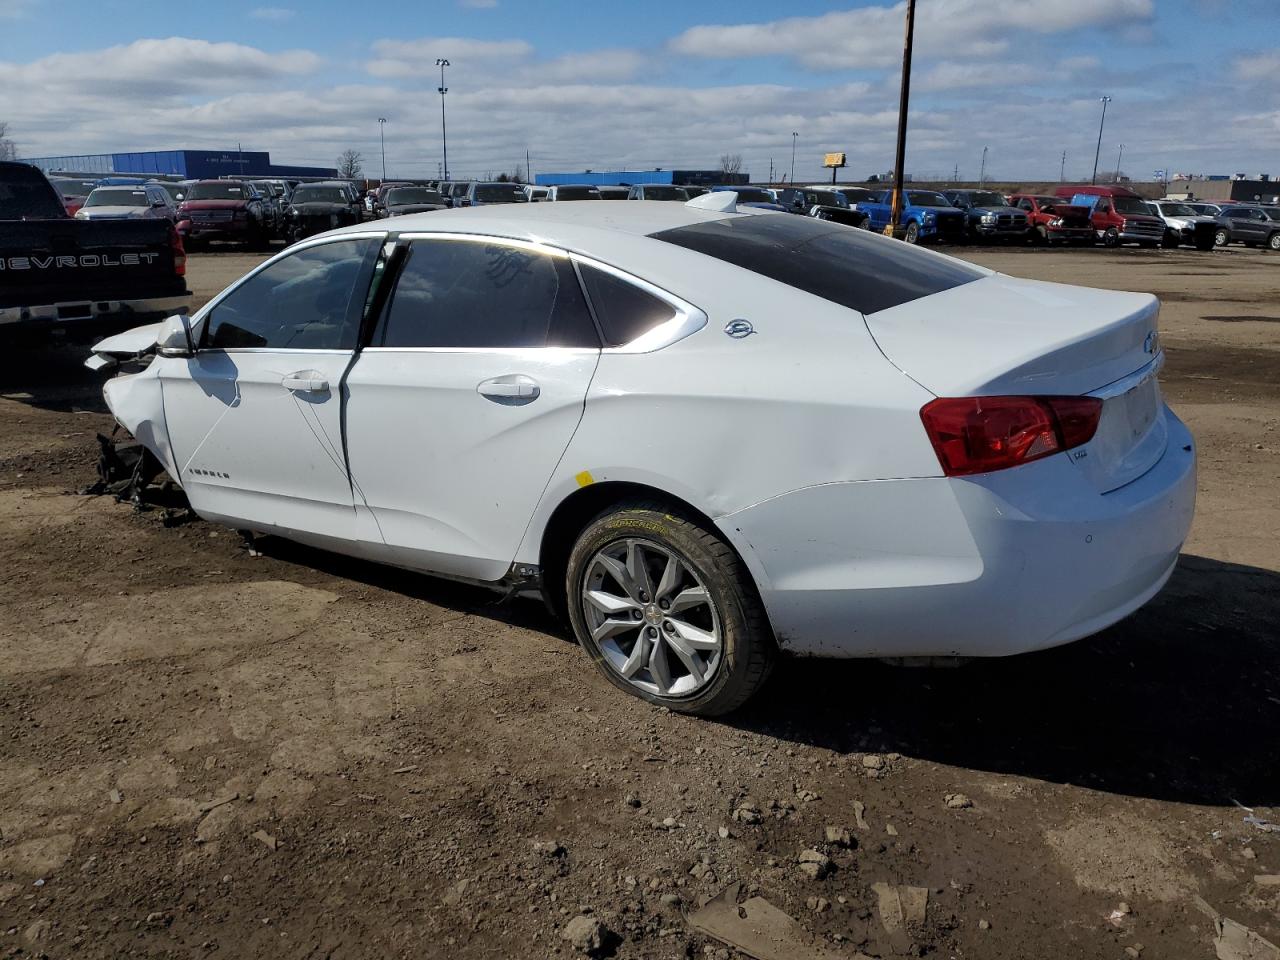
pixel 833 160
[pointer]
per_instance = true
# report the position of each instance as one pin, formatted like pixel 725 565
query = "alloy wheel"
pixel 652 618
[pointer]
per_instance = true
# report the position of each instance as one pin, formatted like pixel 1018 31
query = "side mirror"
pixel 174 338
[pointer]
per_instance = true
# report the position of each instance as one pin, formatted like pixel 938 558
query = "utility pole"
pixel 1062 171
pixel 904 98
pixel 528 174
pixel 1096 153
pixel 794 135
pixel 1118 156
pixel 955 174
pixel 982 170
pixel 444 133
pixel 382 127
pixel 771 169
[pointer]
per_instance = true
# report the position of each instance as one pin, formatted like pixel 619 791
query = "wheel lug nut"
pixel 644 597
pixel 653 632
pixel 636 615
pixel 670 627
pixel 664 604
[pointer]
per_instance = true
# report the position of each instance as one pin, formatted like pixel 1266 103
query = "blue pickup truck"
pixel 925 217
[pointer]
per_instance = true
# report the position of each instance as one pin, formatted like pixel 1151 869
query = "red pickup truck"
pixel 1053 220
pixel 1119 215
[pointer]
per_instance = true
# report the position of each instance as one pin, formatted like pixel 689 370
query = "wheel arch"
pixel 586 503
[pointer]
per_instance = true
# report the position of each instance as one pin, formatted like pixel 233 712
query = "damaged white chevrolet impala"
pixel 704 435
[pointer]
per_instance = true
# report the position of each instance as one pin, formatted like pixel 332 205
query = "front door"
pixel 255 416
pixel 464 401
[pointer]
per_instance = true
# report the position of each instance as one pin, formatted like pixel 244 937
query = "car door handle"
pixel 306 381
pixel 513 388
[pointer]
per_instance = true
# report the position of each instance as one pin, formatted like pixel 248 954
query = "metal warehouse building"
pixel 705 178
pixel 191 164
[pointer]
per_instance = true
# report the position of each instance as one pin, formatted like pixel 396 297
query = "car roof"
pixel 587 228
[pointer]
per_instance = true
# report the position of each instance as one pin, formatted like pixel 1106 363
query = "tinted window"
pixel 665 193
pixel 623 309
pixel 842 264
pixel 921 198
pixel 319 195
pixel 220 190
pixel 577 193
pixel 24 193
pixel 311 299
pixel 459 293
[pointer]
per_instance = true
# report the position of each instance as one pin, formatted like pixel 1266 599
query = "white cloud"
pixel 1259 66
pixel 960 76
pixel 872 36
pixel 273 14
pixel 416 58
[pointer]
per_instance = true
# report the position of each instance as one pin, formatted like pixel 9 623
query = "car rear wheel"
pixel 1111 238
pixel 667 611
pixel 1221 238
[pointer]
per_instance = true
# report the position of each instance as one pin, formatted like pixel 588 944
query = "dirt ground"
pixel 412 770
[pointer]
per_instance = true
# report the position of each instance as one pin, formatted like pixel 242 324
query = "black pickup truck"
pixel 80 277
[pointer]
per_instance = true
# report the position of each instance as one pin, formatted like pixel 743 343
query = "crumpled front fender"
pixel 137 402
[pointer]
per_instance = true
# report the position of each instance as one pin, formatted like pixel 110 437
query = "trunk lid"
pixel 1005 336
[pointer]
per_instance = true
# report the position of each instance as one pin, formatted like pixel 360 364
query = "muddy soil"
pixel 204 753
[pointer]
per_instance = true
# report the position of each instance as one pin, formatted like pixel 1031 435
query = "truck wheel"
pixel 1111 238
pixel 1221 238
pixel 1170 240
pixel 1040 236
pixel 1204 242
pixel 667 611
pixel 913 233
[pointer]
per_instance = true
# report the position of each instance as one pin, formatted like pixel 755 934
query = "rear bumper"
pixel 89 315
pixel 990 565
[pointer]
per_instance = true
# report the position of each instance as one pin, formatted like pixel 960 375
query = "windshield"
pixel 117 197
pixel 987 199
pixel 221 190
pixel 922 198
pixel 1176 210
pixel 665 193
pixel 500 193
pixel 854 194
pixel 319 195
pixel 1130 205
pixel 577 193
pixel 413 195
pixel 74 188
pixel 829 198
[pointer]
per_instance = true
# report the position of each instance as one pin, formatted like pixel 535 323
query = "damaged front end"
pixel 138 465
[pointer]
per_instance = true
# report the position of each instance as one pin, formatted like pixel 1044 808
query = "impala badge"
pixel 738 329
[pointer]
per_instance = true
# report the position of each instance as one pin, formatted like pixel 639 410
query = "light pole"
pixel 1062 171
pixel 1096 153
pixel 982 169
pixel 444 132
pixel 794 135
pixel 382 135
pixel 1118 156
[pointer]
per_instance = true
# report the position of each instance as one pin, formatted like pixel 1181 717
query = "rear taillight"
pixel 981 434
pixel 179 253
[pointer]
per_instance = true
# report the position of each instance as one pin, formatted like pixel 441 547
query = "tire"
pixel 1221 238
pixel 1205 243
pixel 648 535
pixel 1170 240
pixel 1040 236
pixel 913 233
pixel 1273 241
pixel 1111 238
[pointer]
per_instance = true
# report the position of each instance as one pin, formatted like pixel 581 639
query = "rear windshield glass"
pixel 217 191
pixel 665 193
pixel 842 264
pixel 320 195
pixel 747 195
pixel 74 188
pixel 413 195
pixel 500 193
pixel 577 193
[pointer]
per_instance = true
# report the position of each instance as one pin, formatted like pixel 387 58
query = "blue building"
pixel 188 164
pixel 703 178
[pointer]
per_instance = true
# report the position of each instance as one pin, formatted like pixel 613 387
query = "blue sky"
pixel 612 85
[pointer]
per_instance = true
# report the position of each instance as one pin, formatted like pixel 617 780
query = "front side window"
pixel 477 295
pixel 308 300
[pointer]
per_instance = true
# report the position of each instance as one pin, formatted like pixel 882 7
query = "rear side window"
pixel 839 263
pixel 623 309
pixel 311 299
pixel 461 293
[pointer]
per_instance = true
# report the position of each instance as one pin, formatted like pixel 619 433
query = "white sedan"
pixel 704 435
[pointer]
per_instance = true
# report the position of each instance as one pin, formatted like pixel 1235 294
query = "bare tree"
pixel 350 164
pixel 730 164
pixel 516 175
pixel 8 149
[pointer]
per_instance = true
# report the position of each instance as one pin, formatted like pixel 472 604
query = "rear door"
pixel 465 399
pixel 255 416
